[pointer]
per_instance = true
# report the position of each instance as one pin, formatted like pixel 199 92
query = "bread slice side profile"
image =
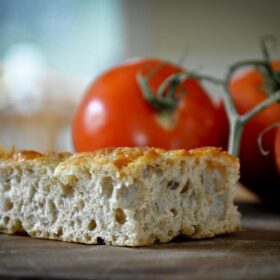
pixel 26 181
pixel 119 196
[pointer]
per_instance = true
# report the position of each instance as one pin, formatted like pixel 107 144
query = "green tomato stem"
pixel 260 107
pixel 268 128
pixel 236 130
pixel 237 122
pixel 159 104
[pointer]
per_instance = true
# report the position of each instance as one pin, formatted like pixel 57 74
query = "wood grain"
pixel 253 253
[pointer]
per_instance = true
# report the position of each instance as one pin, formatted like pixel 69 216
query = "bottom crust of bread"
pixel 122 196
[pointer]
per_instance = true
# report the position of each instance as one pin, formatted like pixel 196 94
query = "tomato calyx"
pixel 271 78
pixel 160 102
pixel 167 98
pixel 165 101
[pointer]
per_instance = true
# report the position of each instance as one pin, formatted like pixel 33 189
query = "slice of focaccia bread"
pixel 119 196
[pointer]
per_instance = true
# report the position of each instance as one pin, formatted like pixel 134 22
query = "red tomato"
pixel 114 112
pixel 258 172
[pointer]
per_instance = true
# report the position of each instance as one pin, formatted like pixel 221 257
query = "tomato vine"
pixel 237 122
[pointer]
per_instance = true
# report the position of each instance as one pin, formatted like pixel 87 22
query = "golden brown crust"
pixel 120 157
pixel 29 155
pixel 214 151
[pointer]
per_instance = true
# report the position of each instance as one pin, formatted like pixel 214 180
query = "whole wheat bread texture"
pixel 119 196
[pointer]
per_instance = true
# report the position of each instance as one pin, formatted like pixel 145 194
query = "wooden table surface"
pixel 253 253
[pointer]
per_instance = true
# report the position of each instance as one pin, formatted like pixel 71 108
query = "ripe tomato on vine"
pixel 117 111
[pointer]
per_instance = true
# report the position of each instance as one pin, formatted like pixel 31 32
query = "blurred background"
pixel 50 51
